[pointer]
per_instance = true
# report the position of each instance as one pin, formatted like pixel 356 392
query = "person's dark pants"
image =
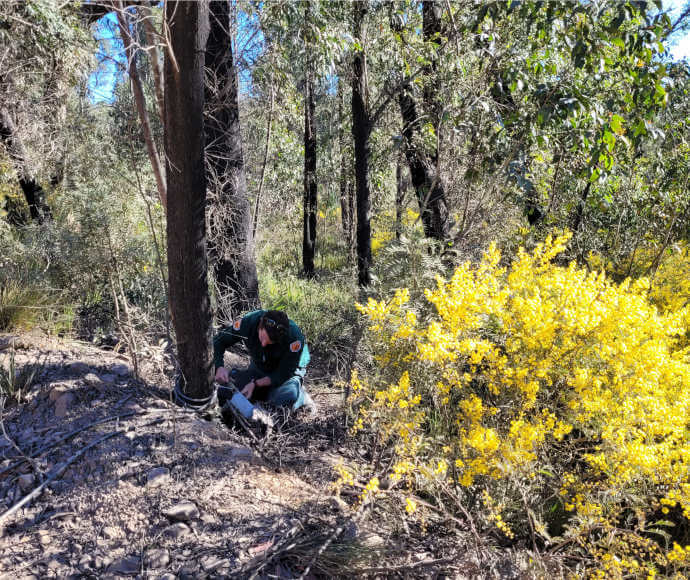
pixel 289 394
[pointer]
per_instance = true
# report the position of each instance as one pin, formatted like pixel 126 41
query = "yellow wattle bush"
pixel 568 393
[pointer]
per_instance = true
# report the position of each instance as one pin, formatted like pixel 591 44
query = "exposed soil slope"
pixel 140 487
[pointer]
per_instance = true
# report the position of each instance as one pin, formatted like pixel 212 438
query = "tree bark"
pixel 431 29
pixel 154 56
pixel 33 192
pixel 361 132
pixel 310 192
pixel 140 101
pixel 399 194
pixel 428 187
pixel 184 148
pixel 424 170
pixel 269 130
pixel 345 213
pixel 231 241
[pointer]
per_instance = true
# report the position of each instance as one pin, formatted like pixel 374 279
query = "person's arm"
pixel 296 355
pixel 224 339
pixel 238 330
pixel 252 385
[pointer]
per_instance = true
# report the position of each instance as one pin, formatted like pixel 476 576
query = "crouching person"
pixel 278 359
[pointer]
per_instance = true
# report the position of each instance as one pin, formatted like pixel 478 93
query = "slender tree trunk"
pixel 159 257
pixel 231 242
pixel 152 36
pixel 580 210
pixel 33 192
pixel 361 132
pixel 431 29
pixel 184 148
pixel 140 101
pixel 428 187
pixel 345 214
pixel 310 199
pixel 424 169
pixel 269 130
pixel 399 195
pixel 126 328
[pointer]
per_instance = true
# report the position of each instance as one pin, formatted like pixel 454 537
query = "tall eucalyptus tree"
pixel 310 185
pixel 421 154
pixel 187 23
pixel 231 243
pixel 361 133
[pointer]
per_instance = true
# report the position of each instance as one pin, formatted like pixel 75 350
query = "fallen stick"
pixel 54 475
pixel 62 439
pixel 406 567
pixel 60 469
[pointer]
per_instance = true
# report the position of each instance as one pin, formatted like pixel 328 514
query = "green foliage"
pixel 21 307
pixel 556 398
pixel 15 383
pixel 322 309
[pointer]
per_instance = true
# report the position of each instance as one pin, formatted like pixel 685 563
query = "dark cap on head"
pixel 275 323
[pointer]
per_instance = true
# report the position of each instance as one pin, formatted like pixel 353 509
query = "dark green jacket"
pixel 278 361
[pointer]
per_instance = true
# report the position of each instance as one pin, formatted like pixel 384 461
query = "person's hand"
pixel 248 390
pixel 222 375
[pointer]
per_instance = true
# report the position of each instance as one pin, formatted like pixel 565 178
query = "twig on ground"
pixel 62 439
pixel 25 457
pixel 405 567
pixel 53 475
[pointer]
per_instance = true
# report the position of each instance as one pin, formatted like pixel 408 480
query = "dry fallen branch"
pixel 53 475
pixel 62 439
pixel 405 567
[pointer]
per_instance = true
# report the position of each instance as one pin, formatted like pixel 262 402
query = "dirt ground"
pixel 120 482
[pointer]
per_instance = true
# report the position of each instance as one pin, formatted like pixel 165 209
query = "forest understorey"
pixel 123 483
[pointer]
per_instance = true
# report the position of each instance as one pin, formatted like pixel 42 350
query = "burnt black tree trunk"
pixel 310 193
pixel 423 163
pixel 399 194
pixel 429 189
pixel 231 244
pixel 361 132
pixel 33 192
pixel 186 185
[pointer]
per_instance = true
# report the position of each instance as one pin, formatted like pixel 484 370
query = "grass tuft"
pixel 323 309
pixel 15 383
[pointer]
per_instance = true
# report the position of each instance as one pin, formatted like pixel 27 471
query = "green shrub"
pixel 552 398
pixel 23 307
pixel 322 308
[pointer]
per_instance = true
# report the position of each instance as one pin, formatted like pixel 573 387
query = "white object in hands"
pixel 242 404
